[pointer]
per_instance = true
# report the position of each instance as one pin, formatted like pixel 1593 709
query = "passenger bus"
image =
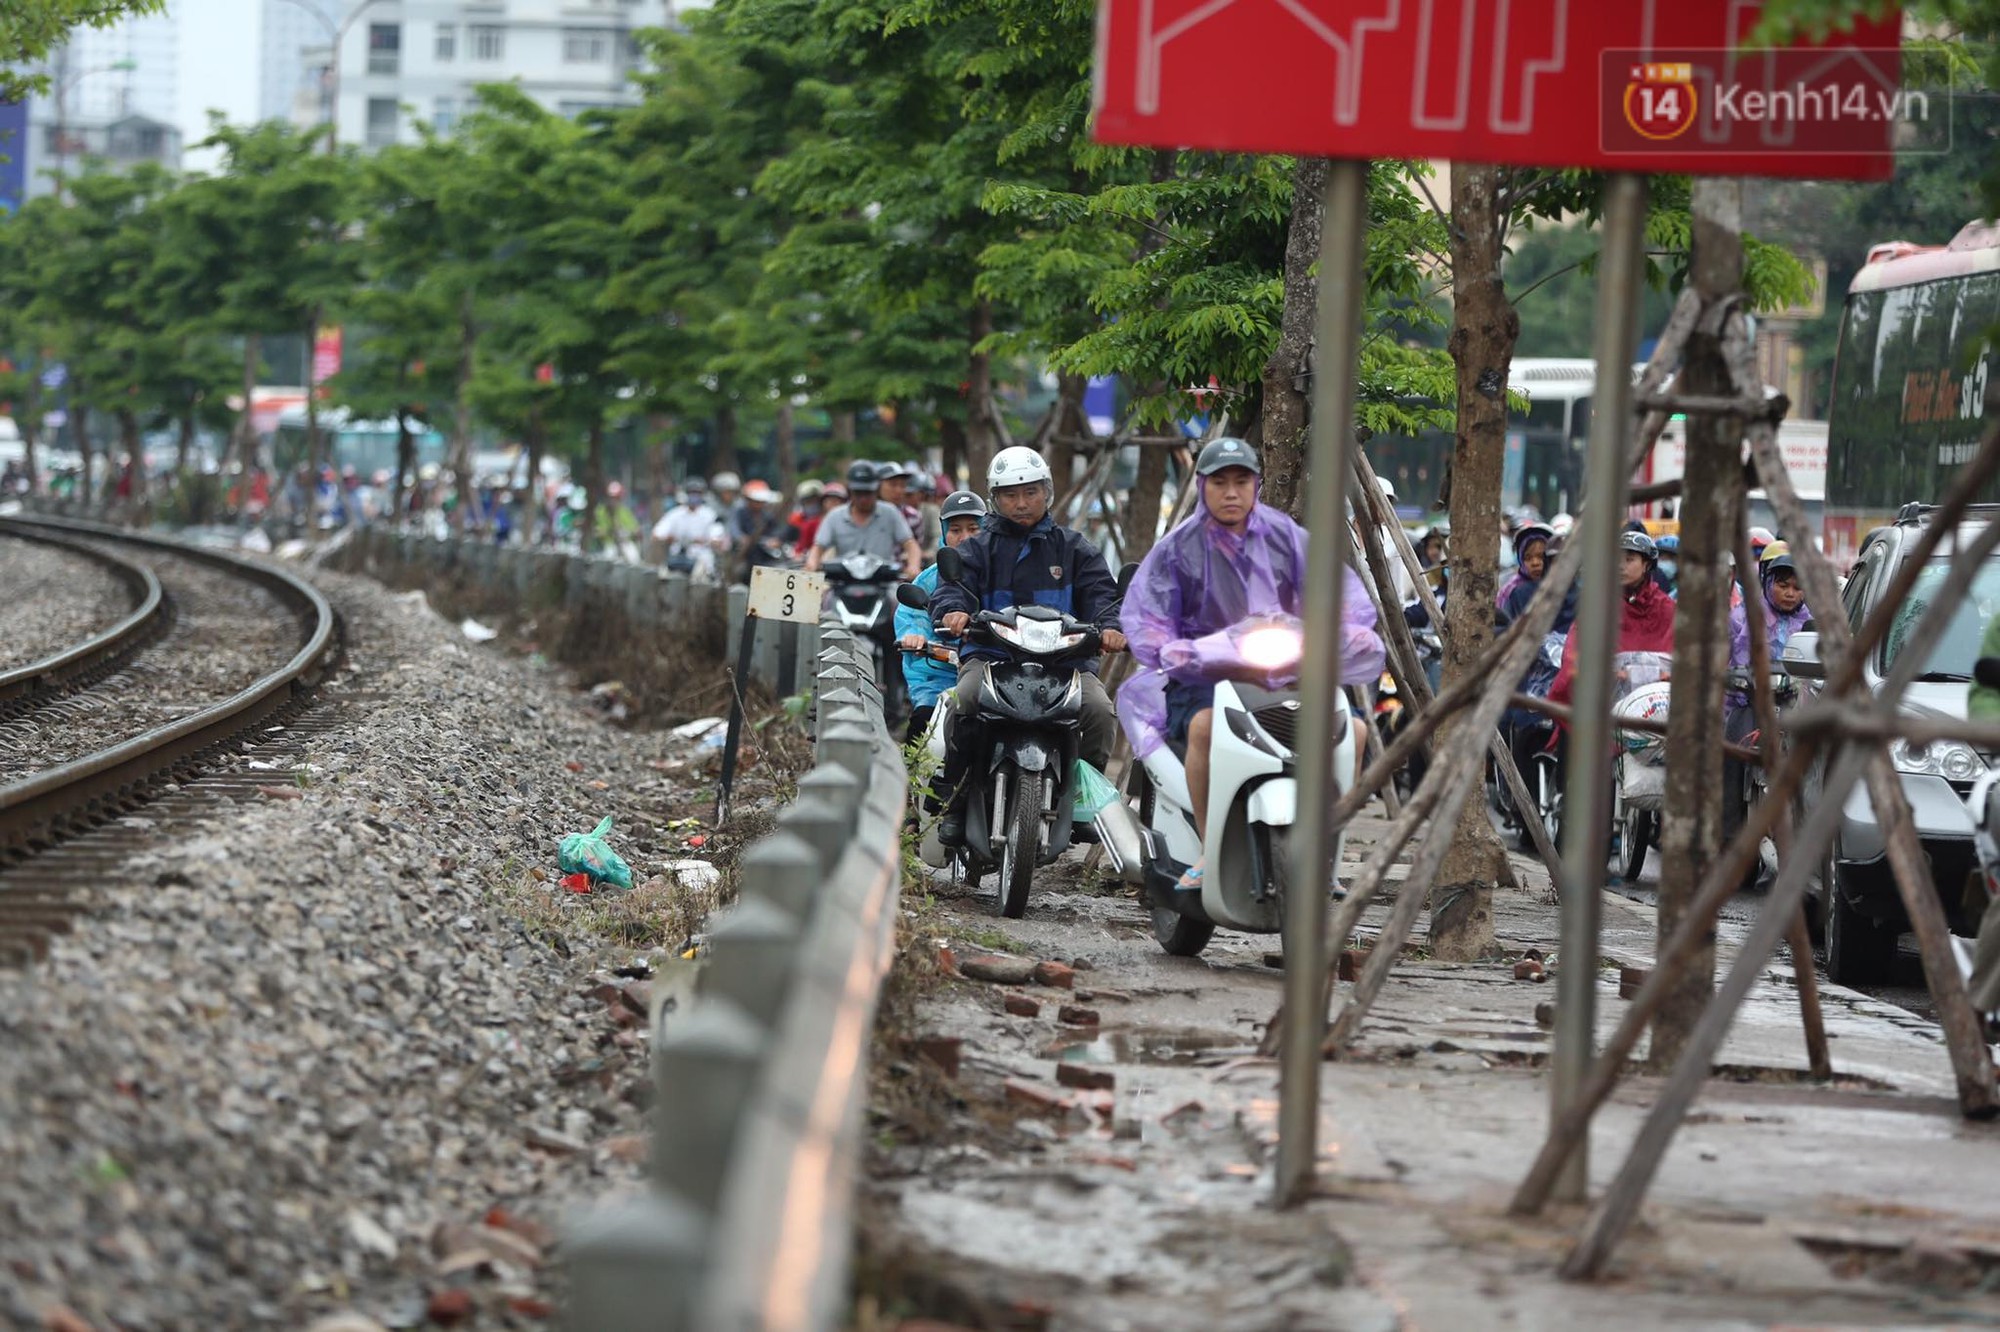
pixel 1545 445
pixel 1909 380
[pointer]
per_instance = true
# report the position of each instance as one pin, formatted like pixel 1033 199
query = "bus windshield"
pixel 1908 386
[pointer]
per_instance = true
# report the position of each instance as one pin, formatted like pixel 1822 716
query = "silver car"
pixel 1860 912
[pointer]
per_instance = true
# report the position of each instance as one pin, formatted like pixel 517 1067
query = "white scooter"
pixel 1252 795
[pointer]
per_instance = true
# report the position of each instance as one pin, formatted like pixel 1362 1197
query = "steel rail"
pixel 28 686
pixel 37 809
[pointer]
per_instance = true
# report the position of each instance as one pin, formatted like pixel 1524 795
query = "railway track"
pixel 67 822
pixel 38 682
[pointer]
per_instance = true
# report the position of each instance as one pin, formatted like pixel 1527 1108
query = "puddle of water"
pixel 1185 1046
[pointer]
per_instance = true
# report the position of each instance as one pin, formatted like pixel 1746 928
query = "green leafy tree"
pixel 31 29
pixel 273 227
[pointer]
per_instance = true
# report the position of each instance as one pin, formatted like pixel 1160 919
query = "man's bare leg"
pixel 1200 727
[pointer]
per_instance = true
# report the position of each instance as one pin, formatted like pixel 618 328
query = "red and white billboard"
pixel 1630 85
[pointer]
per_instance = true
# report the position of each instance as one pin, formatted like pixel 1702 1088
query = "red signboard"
pixel 326 354
pixel 1629 85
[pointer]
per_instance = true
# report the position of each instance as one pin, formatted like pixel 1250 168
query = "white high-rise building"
pixel 113 93
pixel 293 31
pixel 402 61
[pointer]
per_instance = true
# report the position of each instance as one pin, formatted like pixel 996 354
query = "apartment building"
pixel 405 61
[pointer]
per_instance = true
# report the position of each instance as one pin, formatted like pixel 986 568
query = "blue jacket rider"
pixel 1023 556
pixel 926 676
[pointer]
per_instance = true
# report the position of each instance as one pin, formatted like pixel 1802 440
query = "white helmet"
pixel 725 481
pixel 1018 466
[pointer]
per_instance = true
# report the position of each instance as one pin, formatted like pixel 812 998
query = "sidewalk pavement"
pixel 1782 1203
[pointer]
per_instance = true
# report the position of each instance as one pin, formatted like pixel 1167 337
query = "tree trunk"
pixel 1142 509
pixel 1286 386
pixel 246 425
pixel 951 452
pixel 844 426
pixel 184 440
pixel 464 513
pixel 1692 822
pixel 982 439
pixel 315 455
pixel 535 438
pixel 593 485
pixel 80 414
pixel 1484 328
pixel 128 439
pixel 722 449
pixel 787 451
pixel 30 422
pixel 1071 424
pixel 659 463
pixel 406 463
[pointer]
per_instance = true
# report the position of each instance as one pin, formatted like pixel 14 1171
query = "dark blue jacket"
pixel 1044 565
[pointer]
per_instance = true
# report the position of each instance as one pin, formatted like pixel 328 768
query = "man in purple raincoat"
pixel 1783 613
pixel 1234 558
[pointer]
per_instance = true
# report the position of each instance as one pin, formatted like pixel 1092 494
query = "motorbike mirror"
pixel 950 567
pixel 909 594
pixel 1125 577
pixel 1801 660
pixel 1987 672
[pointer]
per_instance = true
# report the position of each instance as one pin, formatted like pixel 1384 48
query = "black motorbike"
pixel 1019 781
pixel 862 587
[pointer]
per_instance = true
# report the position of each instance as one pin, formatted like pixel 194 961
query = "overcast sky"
pixel 220 46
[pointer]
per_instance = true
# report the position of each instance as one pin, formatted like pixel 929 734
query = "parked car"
pixel 1859 910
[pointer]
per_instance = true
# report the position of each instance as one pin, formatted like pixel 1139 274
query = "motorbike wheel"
pixel 1859 951
pixel 1639 830
pixel 1023 844
pixel 1549 796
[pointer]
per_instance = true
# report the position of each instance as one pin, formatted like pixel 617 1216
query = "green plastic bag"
pixel 1093 792
pixel 590 853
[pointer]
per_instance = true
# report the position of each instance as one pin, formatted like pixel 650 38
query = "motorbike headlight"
pixel 1953 760
pixel 1040 636
pixel 1005 633
pixel 1271 648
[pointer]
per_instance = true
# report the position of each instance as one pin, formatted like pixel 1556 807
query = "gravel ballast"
pixel 51 599
pixel 350 1046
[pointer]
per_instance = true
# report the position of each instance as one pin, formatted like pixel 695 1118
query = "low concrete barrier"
pixel 746 1221
pixel 630 599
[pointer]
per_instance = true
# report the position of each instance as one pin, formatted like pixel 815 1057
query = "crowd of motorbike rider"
pixel 1233 558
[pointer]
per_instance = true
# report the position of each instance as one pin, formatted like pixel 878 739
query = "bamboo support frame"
pixel 1798 937
pixel 1728 869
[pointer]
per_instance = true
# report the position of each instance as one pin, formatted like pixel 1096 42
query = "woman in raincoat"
pixel 1233 559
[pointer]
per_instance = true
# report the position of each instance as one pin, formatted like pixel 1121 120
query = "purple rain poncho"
pixel 1202 579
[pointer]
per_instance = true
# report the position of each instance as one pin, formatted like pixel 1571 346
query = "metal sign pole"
pixel 1586 800
pixel 1343 227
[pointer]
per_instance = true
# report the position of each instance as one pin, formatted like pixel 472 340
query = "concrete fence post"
pixel 840 786
pixel 673 594
pixel 852 747
pixel 785 870
pixel 703 1074
pixel 635 1265
pixel 764 654
pixel 824 825
pixel 755 950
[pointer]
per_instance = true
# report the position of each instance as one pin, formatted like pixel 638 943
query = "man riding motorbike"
pixel 926 677
pixel 1234 558
pixel 863 524
pixel 1023 556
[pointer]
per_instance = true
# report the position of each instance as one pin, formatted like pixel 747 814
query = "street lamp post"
pixel 337 35
pixel 64 82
